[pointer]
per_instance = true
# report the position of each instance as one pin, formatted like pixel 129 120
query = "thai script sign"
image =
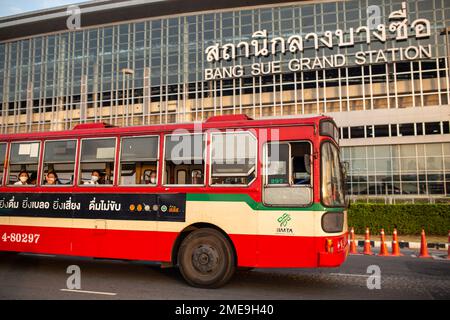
pixel 399 29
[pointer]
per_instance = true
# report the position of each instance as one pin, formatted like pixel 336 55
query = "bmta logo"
pixel 284 220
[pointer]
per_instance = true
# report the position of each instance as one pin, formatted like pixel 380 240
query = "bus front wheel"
pixel 206 259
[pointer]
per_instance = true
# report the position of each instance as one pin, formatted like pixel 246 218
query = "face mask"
pixel 23 179
pixel 94 178
pixel 152 180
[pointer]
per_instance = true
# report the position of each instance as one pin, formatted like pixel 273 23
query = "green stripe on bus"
pixel 223 197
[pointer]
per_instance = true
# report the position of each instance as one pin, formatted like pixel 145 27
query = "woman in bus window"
pixel 96 178
pixel 51 178
pixel 23 178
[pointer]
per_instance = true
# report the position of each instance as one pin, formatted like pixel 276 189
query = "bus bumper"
pixel 335 253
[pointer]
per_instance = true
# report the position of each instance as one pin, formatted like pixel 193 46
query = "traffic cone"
pixel 383 247
pixel 353 248
pixel 367 247
pixel 423 246
pixel 395 245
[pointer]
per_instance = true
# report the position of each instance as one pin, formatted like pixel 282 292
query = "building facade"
pixel 379 67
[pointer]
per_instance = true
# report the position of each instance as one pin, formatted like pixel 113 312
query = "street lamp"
pixel 126 73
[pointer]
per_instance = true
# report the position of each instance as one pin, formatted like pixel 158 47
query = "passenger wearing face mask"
pixel 51 178
pixel 152 178
pixel 23 178
pixel 95 178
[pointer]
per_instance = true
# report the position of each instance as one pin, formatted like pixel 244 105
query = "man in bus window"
pixel 23 178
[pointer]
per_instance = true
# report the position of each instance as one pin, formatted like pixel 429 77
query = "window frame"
pixel 74 163
pixel 205 136
pixel 38 164
pixel 210 160
pixel 80 163
pixel 157 162
pixel 5 162
pixel 333 143
pixel 266 159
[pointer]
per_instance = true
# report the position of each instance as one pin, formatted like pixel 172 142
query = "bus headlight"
pixel 333 222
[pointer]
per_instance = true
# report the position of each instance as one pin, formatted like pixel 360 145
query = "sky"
pixel 11 7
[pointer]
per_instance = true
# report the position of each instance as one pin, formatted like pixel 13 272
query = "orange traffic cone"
pixel 423 246
pixel 383 247
pixel 353 248
pixel 367 247
pixel 395 245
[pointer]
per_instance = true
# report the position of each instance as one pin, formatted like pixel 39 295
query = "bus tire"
pixel 206 259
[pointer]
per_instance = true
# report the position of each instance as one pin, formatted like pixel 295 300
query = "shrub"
pixel 407 218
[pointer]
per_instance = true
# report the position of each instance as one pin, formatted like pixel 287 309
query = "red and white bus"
pixel 206 197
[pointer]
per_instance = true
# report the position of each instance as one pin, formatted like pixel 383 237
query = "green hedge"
pixel 407 218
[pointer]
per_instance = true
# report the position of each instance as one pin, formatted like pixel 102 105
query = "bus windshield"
pixel 332 177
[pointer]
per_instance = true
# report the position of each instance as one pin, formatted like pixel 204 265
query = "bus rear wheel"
pixel 206 259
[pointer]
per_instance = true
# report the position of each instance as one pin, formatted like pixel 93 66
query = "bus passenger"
pixel 152 177
pixel 23 178
pixel 95 178
pixel 51 178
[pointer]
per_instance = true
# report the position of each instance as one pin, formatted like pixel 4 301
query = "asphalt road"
pixel 24 276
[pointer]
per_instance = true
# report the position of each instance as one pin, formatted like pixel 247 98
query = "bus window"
pixel 288 172
pixel 97 161
pixel 24 161
pixel 185 153
pixel 233 158
pixel 139 161
pixel 59 161
pixel 278 164
pixel 2 161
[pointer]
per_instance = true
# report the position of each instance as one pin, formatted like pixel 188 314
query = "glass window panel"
pixel 233 158
pixel 382 151
pixel 2 154
pixel 434 149
pixel 382 131
pixel 98 150
pixel 60 151
pixel 358 152
pixel 142 148
pixel 24 153
pixel 406 129
pixel 408 150
pixel 434 163
pixel 409 164
pixel 357 132
pixel 184 148
pixel 432 128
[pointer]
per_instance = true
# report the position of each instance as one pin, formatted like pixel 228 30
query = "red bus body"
pixel 103 238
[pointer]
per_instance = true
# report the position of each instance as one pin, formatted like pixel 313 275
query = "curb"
pixel 406 244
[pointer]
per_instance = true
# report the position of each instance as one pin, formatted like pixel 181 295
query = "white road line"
pixel 350 275
pixel 90 292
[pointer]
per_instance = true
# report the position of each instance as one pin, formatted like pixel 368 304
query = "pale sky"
pixel 12 7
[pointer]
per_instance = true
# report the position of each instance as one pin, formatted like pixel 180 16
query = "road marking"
pixel 349 275
pixel 90 292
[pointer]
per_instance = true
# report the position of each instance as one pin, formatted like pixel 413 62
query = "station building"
pixel 379 67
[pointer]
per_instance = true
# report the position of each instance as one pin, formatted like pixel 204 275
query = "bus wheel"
pixel 206 259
